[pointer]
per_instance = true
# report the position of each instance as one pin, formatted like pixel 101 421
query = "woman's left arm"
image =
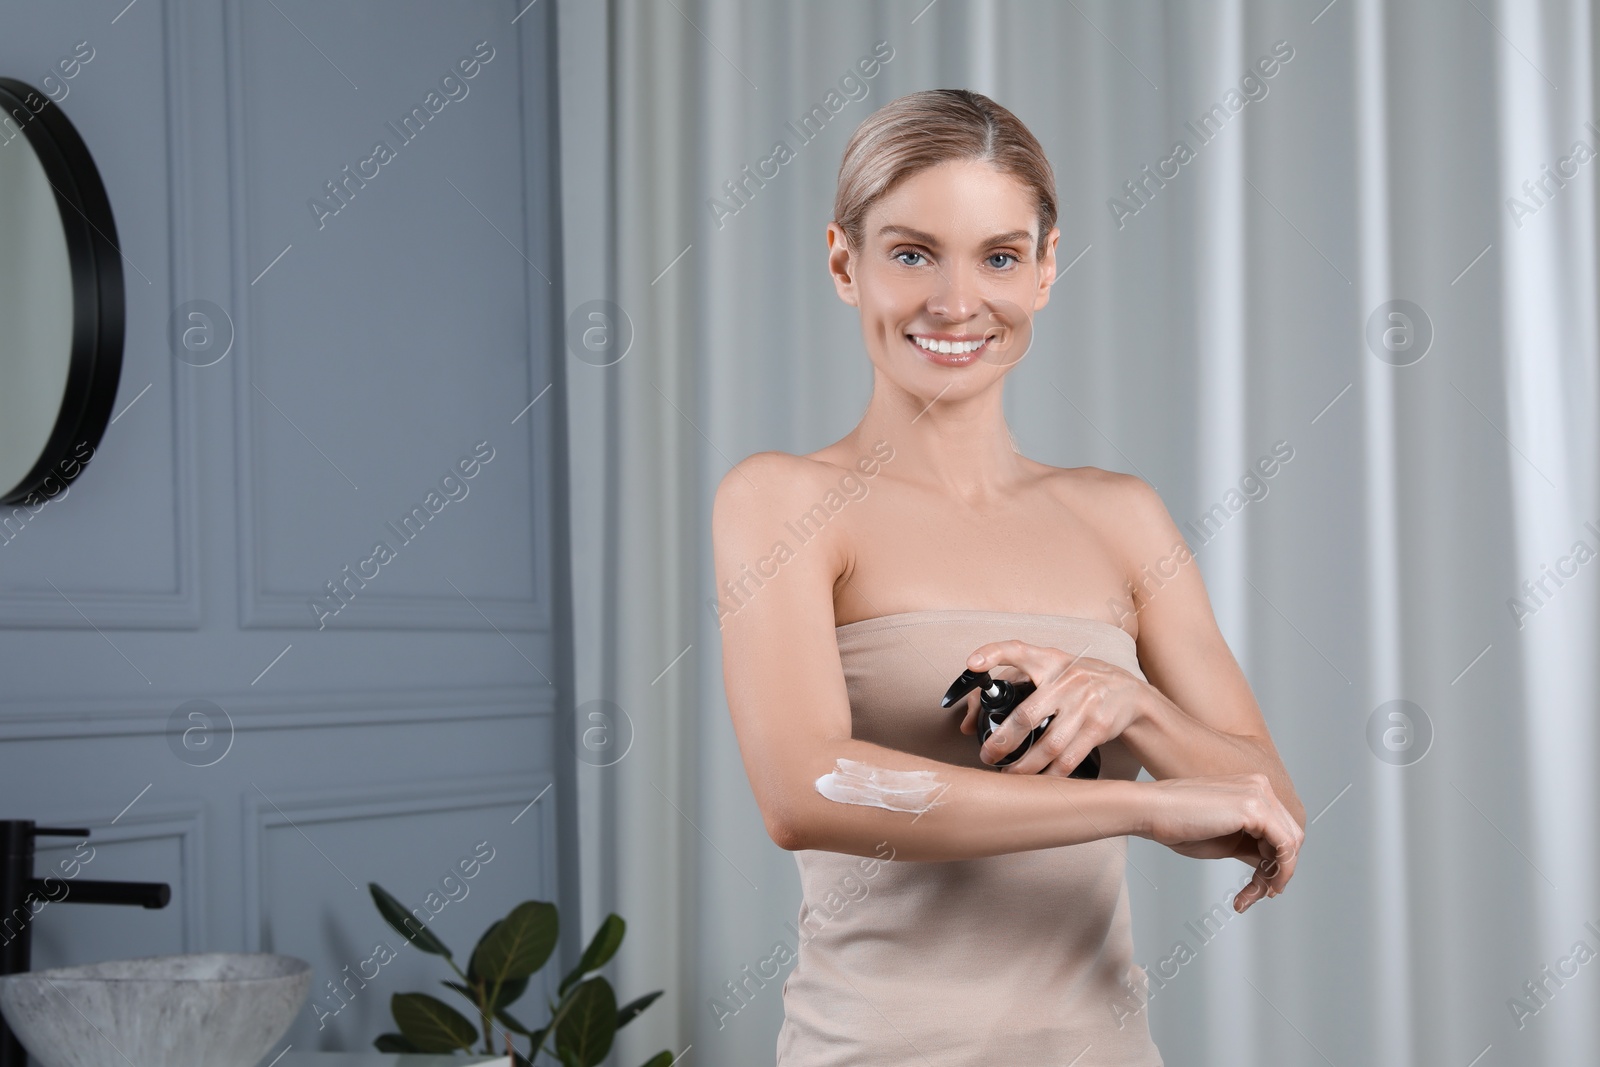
pixel 1197 715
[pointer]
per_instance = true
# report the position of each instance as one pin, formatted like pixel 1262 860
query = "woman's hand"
pixel 1093 701
pixel 1218 816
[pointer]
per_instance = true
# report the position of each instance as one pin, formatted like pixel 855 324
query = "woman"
pixel 954 914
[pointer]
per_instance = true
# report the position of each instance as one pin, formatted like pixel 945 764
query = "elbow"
pixel 785 831
pixel 788 813
pixel 789 819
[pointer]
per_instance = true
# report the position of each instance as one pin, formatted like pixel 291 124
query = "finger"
pixel 1286 855
pixel 1045 752
pixel 1034 709
pixel 969 722
pixel 1079 744
pixel 1260 885
pixel 1254 890
pixel 1279 843
pixel 1287 852
pixel 1033 659
pixel 1007 673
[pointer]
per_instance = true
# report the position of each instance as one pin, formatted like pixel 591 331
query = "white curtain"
pixel 1381 257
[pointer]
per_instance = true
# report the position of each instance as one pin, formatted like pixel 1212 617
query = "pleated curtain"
pixel 1378 261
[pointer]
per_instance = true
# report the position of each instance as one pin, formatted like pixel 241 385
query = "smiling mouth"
pixel 950 353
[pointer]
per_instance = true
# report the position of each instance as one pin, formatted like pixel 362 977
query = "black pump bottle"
pixel 997 698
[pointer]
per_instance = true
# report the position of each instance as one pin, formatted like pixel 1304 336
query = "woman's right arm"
pixel 791 713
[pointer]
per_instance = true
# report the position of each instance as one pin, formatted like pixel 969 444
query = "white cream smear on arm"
pixel 853 782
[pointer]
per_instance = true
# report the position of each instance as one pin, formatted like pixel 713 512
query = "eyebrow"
pixel 929 239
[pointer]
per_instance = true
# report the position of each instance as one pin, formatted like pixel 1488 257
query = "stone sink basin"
pixel 209 1009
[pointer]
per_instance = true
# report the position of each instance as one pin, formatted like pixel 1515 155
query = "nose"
pixel 956 296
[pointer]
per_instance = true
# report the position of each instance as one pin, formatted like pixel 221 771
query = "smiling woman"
pixel 1001 931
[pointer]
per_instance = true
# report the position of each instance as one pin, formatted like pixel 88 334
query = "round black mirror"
pixel 61 299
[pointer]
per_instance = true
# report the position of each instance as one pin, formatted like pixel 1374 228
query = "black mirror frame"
pixel 98 309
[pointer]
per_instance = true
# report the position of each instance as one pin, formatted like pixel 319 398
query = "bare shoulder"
pixel 764 481
pixel 1124 509
pixel 760 493
pixel 1098 489
pixel 778 479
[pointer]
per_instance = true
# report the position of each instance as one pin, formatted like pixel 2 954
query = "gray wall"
pixel 371 350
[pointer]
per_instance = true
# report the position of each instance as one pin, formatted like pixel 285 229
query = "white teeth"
pixel 949 347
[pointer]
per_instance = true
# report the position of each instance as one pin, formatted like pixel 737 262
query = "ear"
pixel 1047 268
pixel 841 265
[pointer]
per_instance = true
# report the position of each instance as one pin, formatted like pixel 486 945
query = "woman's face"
pixel 947 262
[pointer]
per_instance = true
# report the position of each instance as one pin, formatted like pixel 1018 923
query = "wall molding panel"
pixel 295 811
pixel 88 608
pixel 264 608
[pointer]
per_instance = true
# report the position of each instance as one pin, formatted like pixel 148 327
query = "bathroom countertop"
pixel 372 1058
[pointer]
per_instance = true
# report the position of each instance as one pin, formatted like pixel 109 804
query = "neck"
pixel 961 447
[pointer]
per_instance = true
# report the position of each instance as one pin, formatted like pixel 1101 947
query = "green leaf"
pixel 517 945
pixel 393 1043
pixel 589 1025
pixel 510 990
pixel 660 1059
pixel 556 1014
pixel 601 948
pixel 472 962
pixel 626 1013
pixel 405 924
pixel 431 1024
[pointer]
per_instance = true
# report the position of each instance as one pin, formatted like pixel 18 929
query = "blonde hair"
pixel 925 129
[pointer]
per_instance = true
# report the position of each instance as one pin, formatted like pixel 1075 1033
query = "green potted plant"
pixel 583 1021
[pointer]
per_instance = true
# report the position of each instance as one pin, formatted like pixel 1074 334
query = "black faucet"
pixel 20 891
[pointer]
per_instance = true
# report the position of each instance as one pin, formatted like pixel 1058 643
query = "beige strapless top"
pixel 1015 960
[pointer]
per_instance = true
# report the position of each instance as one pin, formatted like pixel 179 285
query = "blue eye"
pixel 906 252
pixel 1006 255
